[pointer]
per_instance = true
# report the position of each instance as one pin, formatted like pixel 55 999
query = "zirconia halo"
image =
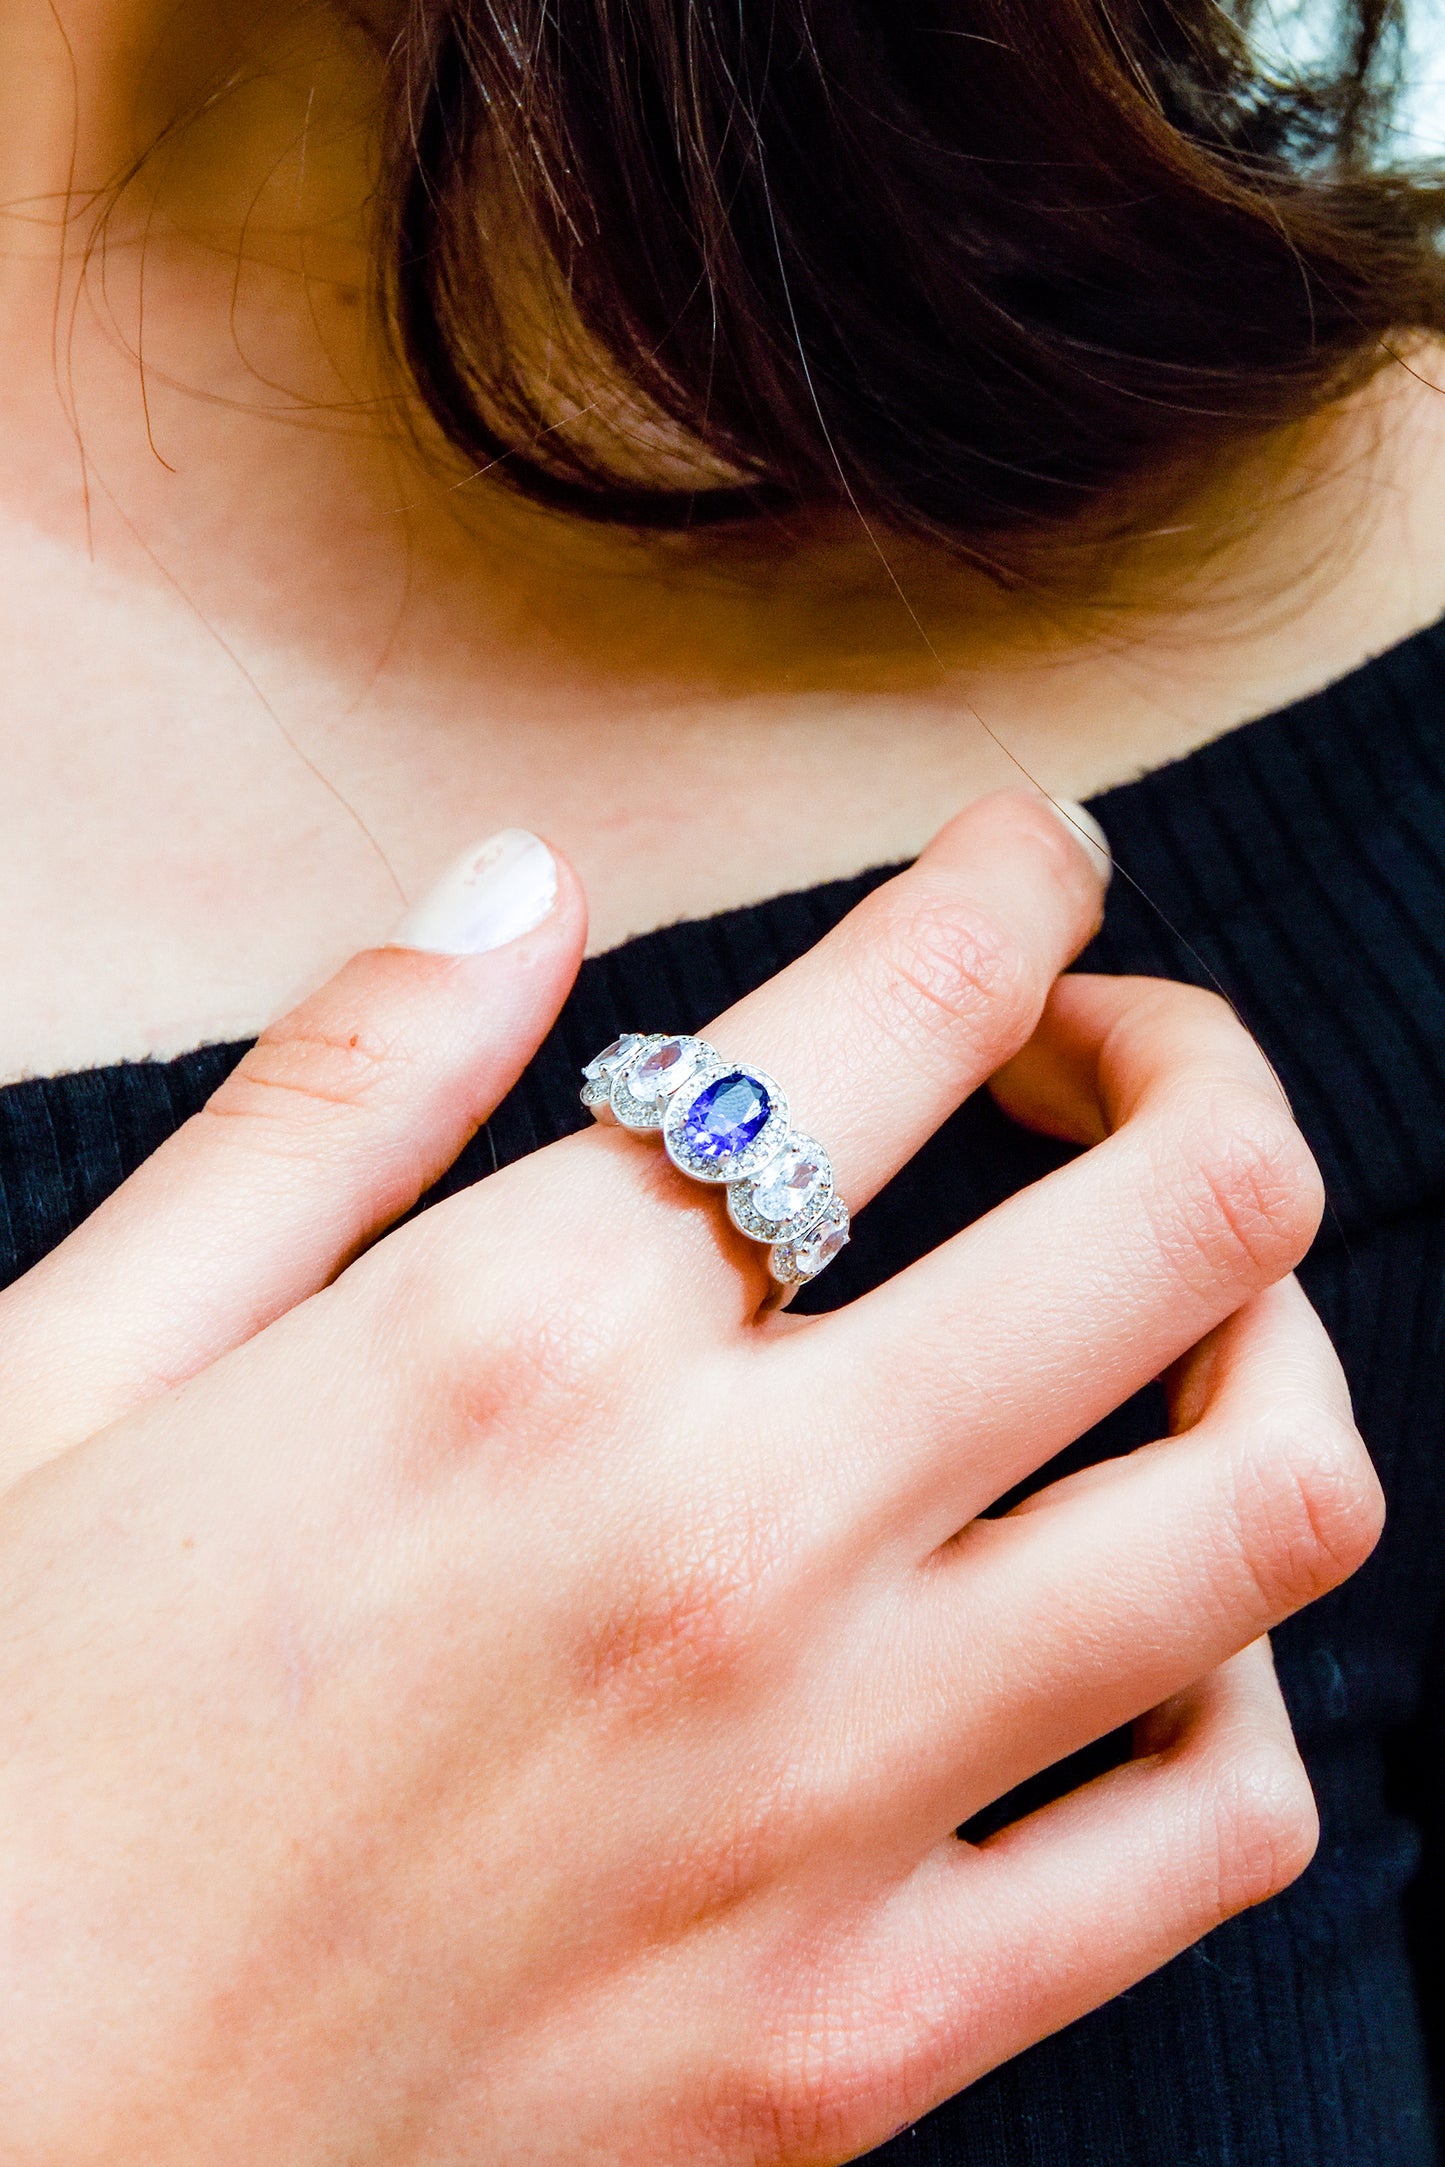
pixel 726 1122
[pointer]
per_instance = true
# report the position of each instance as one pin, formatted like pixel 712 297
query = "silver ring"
pixel 727 1122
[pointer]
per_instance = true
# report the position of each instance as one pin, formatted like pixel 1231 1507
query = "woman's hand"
pixel 513 1705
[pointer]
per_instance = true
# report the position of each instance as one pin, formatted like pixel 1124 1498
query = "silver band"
pixel 727 1122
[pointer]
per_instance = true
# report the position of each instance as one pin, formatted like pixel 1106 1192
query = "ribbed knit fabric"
pixel 1301 861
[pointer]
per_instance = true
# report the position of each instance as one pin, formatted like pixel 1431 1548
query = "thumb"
pixel 332 1126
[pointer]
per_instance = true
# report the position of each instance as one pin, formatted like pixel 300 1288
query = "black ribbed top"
pixel 1298 862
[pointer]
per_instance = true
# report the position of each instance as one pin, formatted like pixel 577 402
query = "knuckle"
pixel 518 1375
pixel 1310 1508
pixel 1198 1002
pixel 688 1632
pixel 524 1339
pixel 1250 1196
pixel 1264 1825
pixel 1200 1018
pixel 952 966
pixel 305 1066
pixel 686 1618
pixel 857 2048
pixel 832 2077
pixel 545 1378
pixel 764 2118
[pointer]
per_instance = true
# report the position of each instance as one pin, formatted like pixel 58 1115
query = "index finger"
pixel 880 1031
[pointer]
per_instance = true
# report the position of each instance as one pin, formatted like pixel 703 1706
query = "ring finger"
pixel 1031 1636
pixel 1079 1901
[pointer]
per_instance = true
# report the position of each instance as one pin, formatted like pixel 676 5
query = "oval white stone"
pixel 783 1191
pixel 821 1246
pixel 667 1066
pixel 611 1056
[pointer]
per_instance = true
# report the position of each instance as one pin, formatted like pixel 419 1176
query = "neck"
pixel 173 178
pixel 89 87
pixel 183 262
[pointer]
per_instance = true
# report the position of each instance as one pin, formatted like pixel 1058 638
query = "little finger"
pixel 986 1950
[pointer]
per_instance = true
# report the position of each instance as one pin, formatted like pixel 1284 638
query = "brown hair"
pixel 980 267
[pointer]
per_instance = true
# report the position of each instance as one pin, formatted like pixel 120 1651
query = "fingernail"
pixel 494 893
pixel 1087 833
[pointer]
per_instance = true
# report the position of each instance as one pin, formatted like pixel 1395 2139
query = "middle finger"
pixel 972 1368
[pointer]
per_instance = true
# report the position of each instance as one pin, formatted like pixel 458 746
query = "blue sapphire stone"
pixel 726 1115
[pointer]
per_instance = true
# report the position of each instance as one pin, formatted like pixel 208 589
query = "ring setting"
pixel 727 1123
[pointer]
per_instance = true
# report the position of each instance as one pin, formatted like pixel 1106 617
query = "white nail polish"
pixel 494 893
pixel 1087 833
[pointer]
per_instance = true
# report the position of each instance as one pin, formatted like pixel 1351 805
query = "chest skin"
pixel 269 662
